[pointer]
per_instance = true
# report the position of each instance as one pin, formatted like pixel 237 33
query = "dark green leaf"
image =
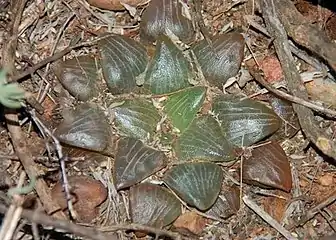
pixel 268 167
pixel 79 76
pixel 137 118
pixel 162 17
pixel 123 59
pixel 222 60
pixel 245 122
pixel 203 139
pixel 85 127
pixel 134 162
pixel 181 107
pixel 153 205
pixel 198 183
pixel 168 71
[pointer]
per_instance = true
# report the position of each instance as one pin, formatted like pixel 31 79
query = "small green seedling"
pixel 11 94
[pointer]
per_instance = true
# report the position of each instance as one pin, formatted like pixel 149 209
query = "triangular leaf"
pixel 181 107
pixel 245 122
pixel 137 118
pixel 268 167
pixel 222 59
pixel 168 71
pixel 134 162
pixel 123 59
pixel 203 139
pixel 162 17
pixel 198 183
pixel 79 76
pixel 153 205
pixel 85 127
pixel 226 204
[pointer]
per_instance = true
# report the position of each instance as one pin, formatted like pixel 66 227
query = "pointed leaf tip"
pixel 169 70
pixel 197 183
pixel 79 76
pixel 222 60
pixel 153 205
pixel 182 106
pixel 268 167
pixel 245 122
pixel 162 17
pixel 123 59
pixel 203 139
pixel 134 162
pixel 85 127
pixel 137 118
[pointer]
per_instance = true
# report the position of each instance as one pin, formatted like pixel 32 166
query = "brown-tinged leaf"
pixel 227 203
pixel 169 70
pixel 275 206
pixel 203 139
pixel 197 183
pixel 153 205
pixel 134 162
pixel 245 122
pixel 85 127
pixel 89 158
pixel 222 60
pixel 161 18
pixel 190 223
pixel 268 167
pixel 290 124
pixel 79 76
pixel 123 59
pixel 87 194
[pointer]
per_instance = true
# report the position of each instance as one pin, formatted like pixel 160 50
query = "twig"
pixel 12 217
pixel 138 227
pixel 303 33
pixel 331 224
pixel 41 158
pixel 43 219
pixel 53 58
pixel 62 159
pixel 315 210
pixel 201 24
pixel 18 140
pixel 264 215
pixel 309 104
pixel 296 87
pixel 88 232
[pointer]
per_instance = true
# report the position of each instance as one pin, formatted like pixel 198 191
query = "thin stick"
pixel 62 159
pixel 88 232
pixel 271 221
pixel 40 158
pixel 314 210
pixel 53 58
pixel 306 117
pixel 294 99
pixel 18 139
pixel 40 218
pixel 12 217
